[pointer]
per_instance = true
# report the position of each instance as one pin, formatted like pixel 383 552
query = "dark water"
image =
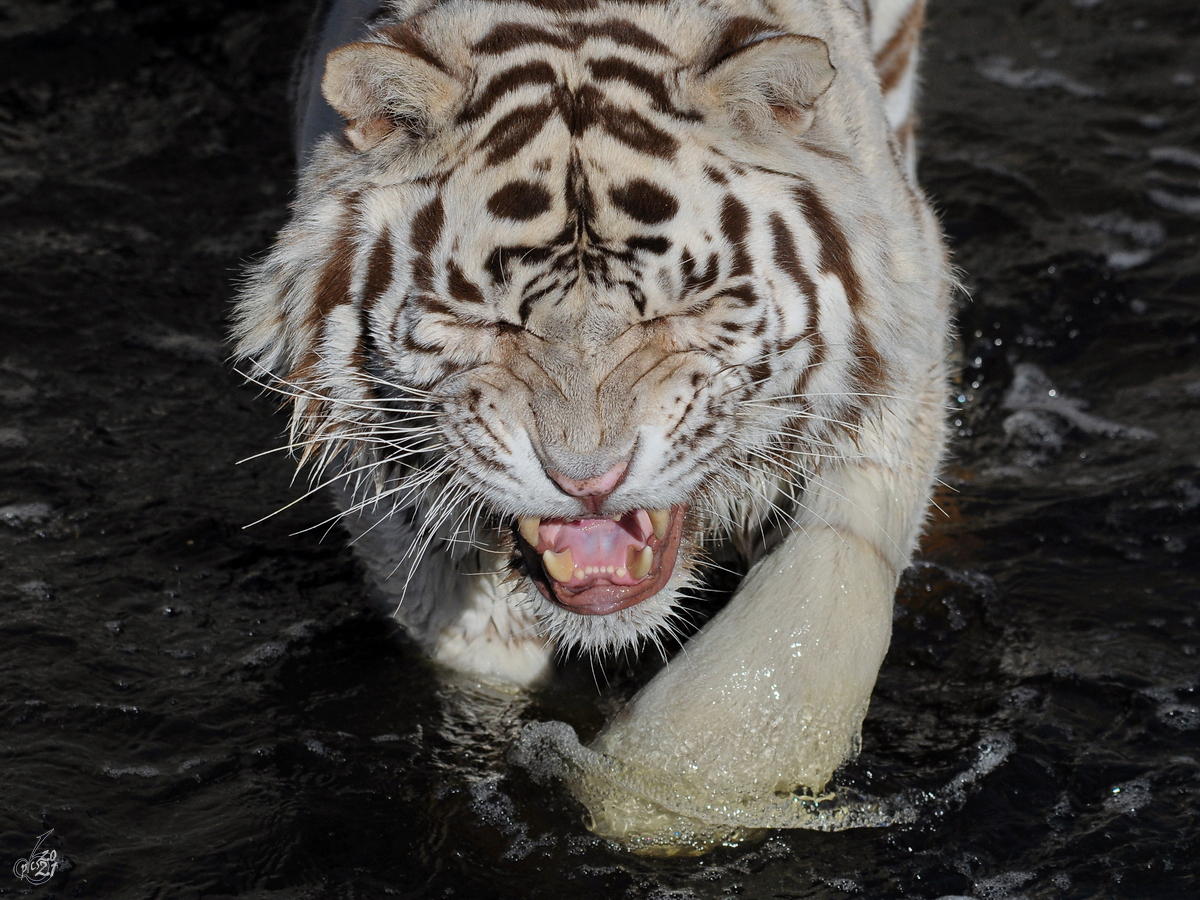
pixel 199 710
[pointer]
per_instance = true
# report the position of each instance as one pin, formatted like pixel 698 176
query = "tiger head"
pixel 570 290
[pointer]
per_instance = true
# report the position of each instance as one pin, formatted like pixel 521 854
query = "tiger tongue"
pixel 600 566
pixel 584 551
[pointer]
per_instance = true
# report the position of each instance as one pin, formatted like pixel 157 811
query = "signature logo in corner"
pixel 41 865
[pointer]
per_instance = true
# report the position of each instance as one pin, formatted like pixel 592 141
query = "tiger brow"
pixel 614 68
pixel 511 36
pixel 537 72
pixel 622 33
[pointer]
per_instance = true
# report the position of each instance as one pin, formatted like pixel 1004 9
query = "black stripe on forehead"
pixel 636 132
pixel 624 33
pixel 512 132
pixel 646 202
pixel 509 36
pixel 520 201
pixel 586 108
pixel 536 72
pixel 614 68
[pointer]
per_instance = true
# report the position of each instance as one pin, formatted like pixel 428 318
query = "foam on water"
pixel 1032 394
pixel 497 809
pixel 658 815
pixel 1003 70
pixel 21 515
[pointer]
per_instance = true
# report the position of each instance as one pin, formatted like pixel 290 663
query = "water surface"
pixel 202 710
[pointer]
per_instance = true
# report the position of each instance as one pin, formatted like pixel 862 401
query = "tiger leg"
pixel 771 695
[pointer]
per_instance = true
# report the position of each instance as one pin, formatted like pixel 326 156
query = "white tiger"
pixel 578 294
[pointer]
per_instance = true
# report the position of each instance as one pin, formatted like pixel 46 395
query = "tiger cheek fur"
pixel 585 292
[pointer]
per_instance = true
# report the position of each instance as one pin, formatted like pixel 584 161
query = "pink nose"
pixel 600 486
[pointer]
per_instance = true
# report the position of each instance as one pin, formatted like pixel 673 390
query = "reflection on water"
pixel 198 710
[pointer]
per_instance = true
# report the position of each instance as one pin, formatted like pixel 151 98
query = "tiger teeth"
pixel 528 526
pixel 639 562
pixel 659 518
pixel 559 566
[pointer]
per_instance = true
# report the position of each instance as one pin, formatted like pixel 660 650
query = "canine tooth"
pixel 659 518
pixel 560 566
pixel 642 567
pixel 528 526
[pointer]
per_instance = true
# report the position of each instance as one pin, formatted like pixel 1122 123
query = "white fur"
pixel 824 493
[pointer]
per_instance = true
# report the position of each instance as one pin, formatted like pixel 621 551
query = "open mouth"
pixel 599 566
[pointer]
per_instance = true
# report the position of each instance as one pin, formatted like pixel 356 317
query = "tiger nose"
pixel 591 490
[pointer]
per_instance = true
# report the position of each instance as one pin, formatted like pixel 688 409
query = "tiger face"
pixel 568 295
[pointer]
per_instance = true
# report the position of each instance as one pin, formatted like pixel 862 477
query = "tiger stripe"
pixel 894 59
pixel 531 74
pixel 608 239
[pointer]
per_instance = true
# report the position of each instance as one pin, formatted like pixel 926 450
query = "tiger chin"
pixel 577 295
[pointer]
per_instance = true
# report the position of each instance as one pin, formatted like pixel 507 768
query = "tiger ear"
pixel 775 81
pixel 380 89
